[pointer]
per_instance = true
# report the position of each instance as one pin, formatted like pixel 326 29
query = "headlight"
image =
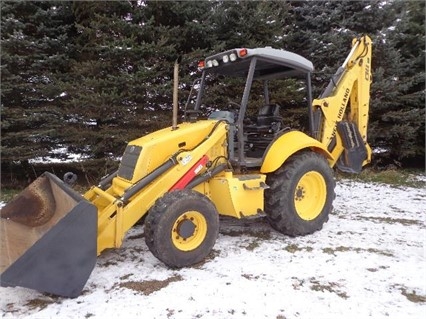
pixel 232 57
pixel 225 59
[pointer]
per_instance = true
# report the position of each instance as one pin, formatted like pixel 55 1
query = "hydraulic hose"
pixel 133 190
pixel 206 176
pixel 107 180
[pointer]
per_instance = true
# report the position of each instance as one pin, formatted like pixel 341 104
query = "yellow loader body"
pixel 182 177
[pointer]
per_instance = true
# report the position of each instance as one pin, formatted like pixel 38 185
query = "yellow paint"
pixel 350 99
pixel 288 144
pixel 310 195
pixel 198 236
pixel 238 195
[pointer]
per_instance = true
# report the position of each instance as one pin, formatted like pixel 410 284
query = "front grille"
pixel 128 162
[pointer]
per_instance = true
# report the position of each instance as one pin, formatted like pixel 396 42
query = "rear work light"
pixel 242 52
pixel 230 56
pixel 211 63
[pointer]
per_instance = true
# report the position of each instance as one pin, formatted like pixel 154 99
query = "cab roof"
pixel 271 63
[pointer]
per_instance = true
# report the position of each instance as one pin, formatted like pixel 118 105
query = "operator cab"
pixel 257 91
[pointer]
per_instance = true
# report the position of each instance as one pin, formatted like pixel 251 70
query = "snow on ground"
pixel 367 262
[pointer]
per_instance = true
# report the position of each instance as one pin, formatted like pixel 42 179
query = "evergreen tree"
pixel 34 57
pixel 122 86
pixel 323 30
pixel 185 31
pixel 248 23
pixel 101 78
pixel 90 76
pixel 398 117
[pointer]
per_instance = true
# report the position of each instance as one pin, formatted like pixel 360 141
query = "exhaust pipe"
pixel 175 93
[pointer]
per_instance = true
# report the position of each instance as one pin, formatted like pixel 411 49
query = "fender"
pixel 288 144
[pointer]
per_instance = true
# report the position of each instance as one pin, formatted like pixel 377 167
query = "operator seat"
pixel 261 133
pixel 268 120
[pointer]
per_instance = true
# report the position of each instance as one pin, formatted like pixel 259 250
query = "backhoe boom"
pixel 342 109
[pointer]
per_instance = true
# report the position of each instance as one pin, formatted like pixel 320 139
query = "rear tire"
pixel 181 228
pixel 301 194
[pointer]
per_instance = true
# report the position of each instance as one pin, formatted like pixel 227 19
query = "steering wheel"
pixel 234 104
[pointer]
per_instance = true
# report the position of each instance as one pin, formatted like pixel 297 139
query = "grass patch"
pixel 395 177
pixel 413 296
pixel 332 251
pixel 125 277
pixel 410 295
pixel 253 245
pixel 292 248
pixel 388 220
pixel 328 286
pixel 6 194
pixel 150 286
pixel 39 303
pixel 257 236
pixel 250 276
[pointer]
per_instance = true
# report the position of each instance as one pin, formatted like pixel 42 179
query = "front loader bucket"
pixel 48 238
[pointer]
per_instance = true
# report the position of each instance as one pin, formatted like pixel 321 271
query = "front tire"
pixel 181 228
pixel 301 195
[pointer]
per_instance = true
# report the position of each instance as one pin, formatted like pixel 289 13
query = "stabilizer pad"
pixel 355 152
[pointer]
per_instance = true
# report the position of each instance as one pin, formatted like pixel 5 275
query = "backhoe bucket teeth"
pixel 48 238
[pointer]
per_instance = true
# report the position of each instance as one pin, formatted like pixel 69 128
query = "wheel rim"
pixel 189 231
pixel 310 195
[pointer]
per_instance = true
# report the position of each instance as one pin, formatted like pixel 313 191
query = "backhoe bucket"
pixel 48 238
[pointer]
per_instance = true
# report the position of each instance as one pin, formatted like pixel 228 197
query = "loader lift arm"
pixel 341 112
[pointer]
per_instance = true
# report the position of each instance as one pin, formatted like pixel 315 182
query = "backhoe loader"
pixel 229 160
